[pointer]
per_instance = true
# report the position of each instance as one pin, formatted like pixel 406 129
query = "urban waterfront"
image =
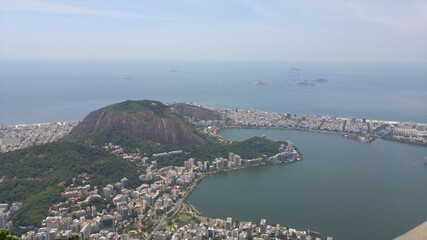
pixel 342 188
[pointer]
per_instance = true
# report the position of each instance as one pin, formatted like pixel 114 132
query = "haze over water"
pixel 46 92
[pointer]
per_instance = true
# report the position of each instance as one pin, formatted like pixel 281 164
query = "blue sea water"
pixel 49 91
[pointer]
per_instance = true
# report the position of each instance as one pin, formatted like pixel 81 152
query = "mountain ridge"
pixel 144 119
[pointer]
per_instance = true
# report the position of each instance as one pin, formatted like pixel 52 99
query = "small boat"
pixel 425 160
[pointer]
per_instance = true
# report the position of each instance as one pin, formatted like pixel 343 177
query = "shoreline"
pixel 214 109
pixel 204 175
pixel 18 136
pixel 182 202
pixel 199 179
pixel 360 129
pixel 343 134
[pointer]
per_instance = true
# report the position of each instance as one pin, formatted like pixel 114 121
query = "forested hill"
pixel 37 175
pixel 145 119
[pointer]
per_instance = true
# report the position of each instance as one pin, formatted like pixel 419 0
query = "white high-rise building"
pixel 3 220
pixel 263 225
pixel 231 157
pixel 124 183
pixel 229 223
pixel 191 162
pixel 85 232
pixel 237 160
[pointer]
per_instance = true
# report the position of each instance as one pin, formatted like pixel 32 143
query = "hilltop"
pixel 196 112
pixel 145 120
pixel 36 176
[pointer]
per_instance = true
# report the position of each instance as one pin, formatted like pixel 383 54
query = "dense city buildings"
pixel 364 130
pixel 13 137
pixel 153 209
pixel 119 212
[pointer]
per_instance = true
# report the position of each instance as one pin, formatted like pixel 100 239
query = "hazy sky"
pixel 217 30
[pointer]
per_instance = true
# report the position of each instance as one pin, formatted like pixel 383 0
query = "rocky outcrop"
pixel 145 119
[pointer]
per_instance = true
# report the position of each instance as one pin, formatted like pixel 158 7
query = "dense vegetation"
pixel 251 148
pixel 37 175
pixel 4 235
pixel 145 120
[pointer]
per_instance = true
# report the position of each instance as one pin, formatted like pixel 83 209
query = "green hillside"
pixel 143 119
pixel 250 148
pixel 36 175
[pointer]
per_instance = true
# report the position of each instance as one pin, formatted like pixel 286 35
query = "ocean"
pixel 62 91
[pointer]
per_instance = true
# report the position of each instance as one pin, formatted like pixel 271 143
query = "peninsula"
pixel 13 137
pixel 361 129
pixel 150 175
pixel 105 182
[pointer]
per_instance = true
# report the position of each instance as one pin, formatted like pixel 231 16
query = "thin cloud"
pixel 261 10
pixel 34 6
pixel 362 13
pixel 411 18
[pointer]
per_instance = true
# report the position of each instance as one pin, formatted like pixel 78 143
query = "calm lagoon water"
pixel 343 188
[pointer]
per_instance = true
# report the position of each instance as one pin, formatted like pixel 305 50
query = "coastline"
pixel 182 202
pixel 204 175
pixel 13 137
pixel 306 130
pixel 327 132
pixel 362 130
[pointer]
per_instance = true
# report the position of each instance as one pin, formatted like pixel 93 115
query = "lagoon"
pixel 342 188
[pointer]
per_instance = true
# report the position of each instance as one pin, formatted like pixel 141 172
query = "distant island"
pixel 262 83
pixel 297 75
pixel 309 83
pixel 296 72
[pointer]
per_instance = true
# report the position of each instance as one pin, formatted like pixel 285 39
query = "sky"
pixel 217 30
